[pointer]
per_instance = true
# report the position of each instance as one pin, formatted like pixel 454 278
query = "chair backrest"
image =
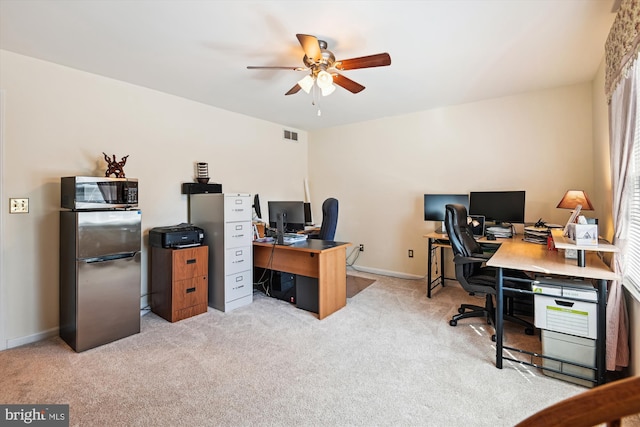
pixel 461 237
pixel 459 231
pixel 608 403
pixel 329 219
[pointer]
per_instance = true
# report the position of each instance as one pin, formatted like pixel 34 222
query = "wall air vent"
pixel 290 135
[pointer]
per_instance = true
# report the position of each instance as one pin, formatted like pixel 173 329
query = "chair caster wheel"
pixel 529 331
pixel 493 338
pixel 461 310
pixel 453 322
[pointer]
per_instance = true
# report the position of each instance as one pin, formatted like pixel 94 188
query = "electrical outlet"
pixel 361 247
pixel 18 205
pixel 410 253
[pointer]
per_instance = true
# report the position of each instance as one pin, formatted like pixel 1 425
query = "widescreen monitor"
pixel 292 215
pixel 498 206
pixel 434 206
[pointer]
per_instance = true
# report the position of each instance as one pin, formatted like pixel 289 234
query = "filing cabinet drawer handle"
pixel 189 290
pixel 191 261
pixel 564 303
pixel 239 279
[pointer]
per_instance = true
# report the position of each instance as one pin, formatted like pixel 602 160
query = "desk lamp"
pixel 576 200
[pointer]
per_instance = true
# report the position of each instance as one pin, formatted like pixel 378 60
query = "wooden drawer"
pixel 188 312
pixel 190 262
pixel 238 285
pixel 186 293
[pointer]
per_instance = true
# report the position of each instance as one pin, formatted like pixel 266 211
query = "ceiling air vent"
pixel 290 135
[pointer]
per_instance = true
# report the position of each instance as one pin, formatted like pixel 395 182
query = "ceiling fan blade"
pixel 378 60
pixel 293 90
pixel 347 83
pixel 259 67
pixel 310 46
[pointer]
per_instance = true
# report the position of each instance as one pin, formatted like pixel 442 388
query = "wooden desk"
pixel 321 259
pixel 518 255
pixel 562 242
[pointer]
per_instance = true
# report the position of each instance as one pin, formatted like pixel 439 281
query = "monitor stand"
pixel 442 229
pixel 280 229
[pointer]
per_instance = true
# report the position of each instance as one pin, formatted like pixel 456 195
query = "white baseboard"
pixel 385 272
pixel 17 342
pixel 53 332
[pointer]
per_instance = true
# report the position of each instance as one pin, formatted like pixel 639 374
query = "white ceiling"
pixel 443 52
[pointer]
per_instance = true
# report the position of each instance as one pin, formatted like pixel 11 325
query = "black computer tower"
pixel 307 293
pixel 278 284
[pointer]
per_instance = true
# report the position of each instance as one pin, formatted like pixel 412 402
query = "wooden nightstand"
pixel 179 282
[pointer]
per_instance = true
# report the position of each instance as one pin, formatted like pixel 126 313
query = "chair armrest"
pixel 459 259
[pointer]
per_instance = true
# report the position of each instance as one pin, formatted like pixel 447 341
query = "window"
pixel 632 252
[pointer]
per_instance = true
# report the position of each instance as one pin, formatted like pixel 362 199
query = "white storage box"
pixel 583 234
pixel 572 349
pixel 556 312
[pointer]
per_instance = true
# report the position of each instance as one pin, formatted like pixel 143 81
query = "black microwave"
pixel 94 192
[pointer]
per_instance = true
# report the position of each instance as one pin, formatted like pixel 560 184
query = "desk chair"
pixel 471 273
pixel 329 220
pixel 607 403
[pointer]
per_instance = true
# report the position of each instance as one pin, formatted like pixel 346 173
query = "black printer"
pixel 176 236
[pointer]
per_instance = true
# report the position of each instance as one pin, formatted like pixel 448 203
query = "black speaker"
pixel 197 188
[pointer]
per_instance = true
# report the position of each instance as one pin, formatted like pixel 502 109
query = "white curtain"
pixel 622 130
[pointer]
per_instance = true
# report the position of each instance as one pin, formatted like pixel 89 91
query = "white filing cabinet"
pixel 226 220
pixel 569 327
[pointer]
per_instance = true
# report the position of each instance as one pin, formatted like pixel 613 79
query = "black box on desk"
pixel 307 293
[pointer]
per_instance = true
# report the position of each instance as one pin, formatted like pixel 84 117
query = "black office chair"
pixel 474 276
pixel 329 220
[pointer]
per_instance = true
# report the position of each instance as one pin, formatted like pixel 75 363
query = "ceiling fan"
pixel 324 68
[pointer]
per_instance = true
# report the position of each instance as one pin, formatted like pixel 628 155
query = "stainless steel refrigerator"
pixel 99 276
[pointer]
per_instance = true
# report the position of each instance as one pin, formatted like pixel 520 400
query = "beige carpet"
pixel 389 358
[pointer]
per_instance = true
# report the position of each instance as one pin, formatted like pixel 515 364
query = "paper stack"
pixel 500 232
pixel 535 234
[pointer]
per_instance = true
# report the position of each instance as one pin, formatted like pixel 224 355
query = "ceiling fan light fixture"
pixel 306 83
pixel 324 79
pixel 328 90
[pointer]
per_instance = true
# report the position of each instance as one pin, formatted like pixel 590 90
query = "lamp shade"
pixel 306 83
pixel 573 198
pixel 324 79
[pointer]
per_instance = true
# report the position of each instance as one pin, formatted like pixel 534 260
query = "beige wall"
pixel 540 142
pixel 58 123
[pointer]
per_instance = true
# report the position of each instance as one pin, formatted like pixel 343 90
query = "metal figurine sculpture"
pixel 116 168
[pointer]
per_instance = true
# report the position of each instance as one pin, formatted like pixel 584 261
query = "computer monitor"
pixel 434 206
pixel 308 219
pixel 292 215
pixel 256 207
pixel 498 206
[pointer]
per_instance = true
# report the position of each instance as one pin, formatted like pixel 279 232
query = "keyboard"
pixel 290 238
